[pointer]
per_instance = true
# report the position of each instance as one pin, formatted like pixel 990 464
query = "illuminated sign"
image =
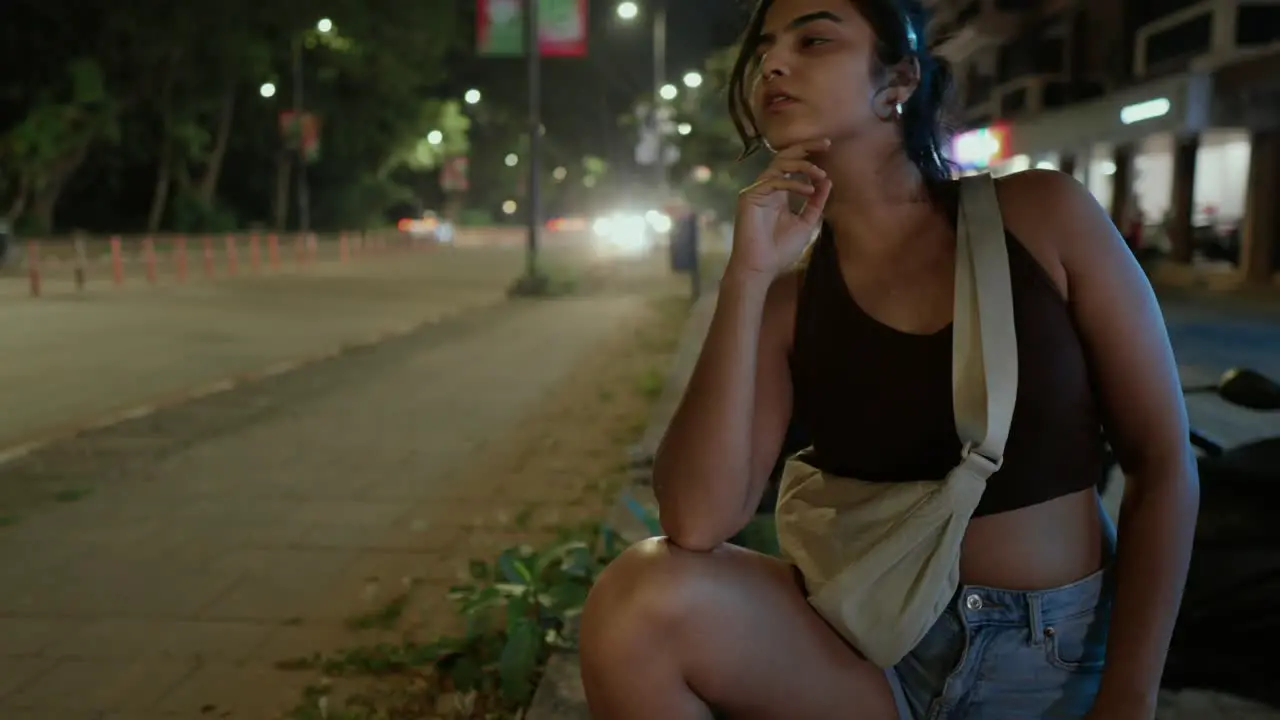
pixel 1148 110
pixel 979 149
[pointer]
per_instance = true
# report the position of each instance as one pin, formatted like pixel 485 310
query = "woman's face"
pixel 814 73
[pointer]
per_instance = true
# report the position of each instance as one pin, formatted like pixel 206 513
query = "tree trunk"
pixel 19 204
pixel 164 181
pixel 44 198
pixel 222 137
pixel 164 164
pixel 284 171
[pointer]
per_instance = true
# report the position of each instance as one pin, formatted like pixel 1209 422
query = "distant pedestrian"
pixel 4 241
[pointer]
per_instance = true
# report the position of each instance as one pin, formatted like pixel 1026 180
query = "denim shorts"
pixel 1010 655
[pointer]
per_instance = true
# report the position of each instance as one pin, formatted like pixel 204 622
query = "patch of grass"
pixel 385 616
pixel 760 534
pixel 516 608
pixel 652 383
pixel 545 283
pixel 524 518
pixel 71 495
pixel 8 520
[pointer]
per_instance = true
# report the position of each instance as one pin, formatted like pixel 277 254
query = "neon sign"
pixel 979 149
pixel 1148 110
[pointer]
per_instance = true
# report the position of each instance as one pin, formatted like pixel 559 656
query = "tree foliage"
pixel 146 114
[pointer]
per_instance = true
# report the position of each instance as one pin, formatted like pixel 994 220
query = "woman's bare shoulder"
pixel 1034 204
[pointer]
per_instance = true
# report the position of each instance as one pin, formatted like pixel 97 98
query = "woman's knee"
pixel 645 580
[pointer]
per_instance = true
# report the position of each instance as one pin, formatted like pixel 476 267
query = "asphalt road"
pixel 70 357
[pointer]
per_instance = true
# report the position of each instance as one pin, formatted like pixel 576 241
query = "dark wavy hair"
pixel 899 27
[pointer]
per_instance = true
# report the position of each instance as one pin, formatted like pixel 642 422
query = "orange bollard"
pixel 149 259
pixel 273 251
pixel 233 259
pixel 33 266
pixel 255 253
pixel 180 258
pixel 117 262
pixel 209 271
pixel 344 252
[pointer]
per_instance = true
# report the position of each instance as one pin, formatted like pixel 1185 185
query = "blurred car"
pixel 569 223
pixel 629 234
pixel 429 227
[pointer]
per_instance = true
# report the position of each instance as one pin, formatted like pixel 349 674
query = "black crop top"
pixel 876 402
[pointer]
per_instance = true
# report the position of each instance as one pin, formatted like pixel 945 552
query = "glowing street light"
pixel 435 137
pixel 512 160
pixel 509 207
pixel 668 92
pixel 324 25
pixel 692 79
pixel 560 173
pixel 628 10
pixel 472 97
pixel 684 128
pixel 267 90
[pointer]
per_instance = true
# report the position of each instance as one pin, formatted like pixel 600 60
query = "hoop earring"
pixel 883 109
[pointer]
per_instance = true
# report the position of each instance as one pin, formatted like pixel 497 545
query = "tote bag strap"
pixel 984 353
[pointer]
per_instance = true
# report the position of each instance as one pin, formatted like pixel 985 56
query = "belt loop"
pixel 1034 619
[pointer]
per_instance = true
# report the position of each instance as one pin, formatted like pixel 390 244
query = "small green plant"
pixel 652 383
pixel 384 617
pixel 7 520
pixel 71 495
pixel 760 534
pixel 516 609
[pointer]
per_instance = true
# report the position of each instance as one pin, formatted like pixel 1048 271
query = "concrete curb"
pixel 43 438
pixel 560 695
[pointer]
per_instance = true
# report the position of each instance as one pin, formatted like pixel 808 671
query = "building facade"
pixel 1167 110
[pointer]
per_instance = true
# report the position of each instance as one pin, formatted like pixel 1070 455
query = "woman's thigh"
pixel 738 627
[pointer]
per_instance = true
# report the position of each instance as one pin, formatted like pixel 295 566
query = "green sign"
pixel 562 28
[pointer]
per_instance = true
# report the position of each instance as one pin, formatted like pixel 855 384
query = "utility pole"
pixel 535 134
pixel 659 78
pixel 304 192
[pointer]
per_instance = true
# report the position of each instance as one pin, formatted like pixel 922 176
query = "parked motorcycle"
pixel 1230 617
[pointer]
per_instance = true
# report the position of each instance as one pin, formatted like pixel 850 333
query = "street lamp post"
pixel 627 11
pixel 535 131
pixel 304 192
pixel 324 25
pixel 659 77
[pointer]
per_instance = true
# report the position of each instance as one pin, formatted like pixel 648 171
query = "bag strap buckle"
pixel 986 466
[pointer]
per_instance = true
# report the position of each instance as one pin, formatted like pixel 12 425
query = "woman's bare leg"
pixel 670 634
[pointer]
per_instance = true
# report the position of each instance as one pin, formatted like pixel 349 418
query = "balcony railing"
pixel 1206 34
pixel 978 24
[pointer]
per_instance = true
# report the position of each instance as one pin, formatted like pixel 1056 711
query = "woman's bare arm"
pixel 1128 347
pixel 714 461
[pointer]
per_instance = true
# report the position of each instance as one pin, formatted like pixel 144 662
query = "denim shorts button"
pixel 973 602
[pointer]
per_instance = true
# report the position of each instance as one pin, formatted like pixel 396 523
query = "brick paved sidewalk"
pixel 170 591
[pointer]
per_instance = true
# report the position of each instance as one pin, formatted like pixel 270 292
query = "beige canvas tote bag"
pixel 881 561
